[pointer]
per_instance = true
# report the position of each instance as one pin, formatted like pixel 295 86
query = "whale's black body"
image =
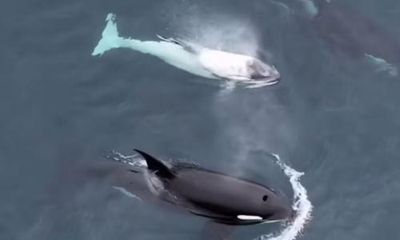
pixel 352 33
pixel 218 197
pixel 349 32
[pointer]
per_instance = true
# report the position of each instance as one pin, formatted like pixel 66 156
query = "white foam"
pixel 127 193
pixel 281 5
pixel 301 204
pixel 217 30
pixel 382 65
pixel 154 183
pixel 310 7
pixel 134 160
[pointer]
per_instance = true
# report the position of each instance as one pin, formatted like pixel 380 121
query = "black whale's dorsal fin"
pixel 156 165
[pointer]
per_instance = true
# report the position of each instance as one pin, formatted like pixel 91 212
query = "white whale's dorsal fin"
pixel 186 45
pixel 173 40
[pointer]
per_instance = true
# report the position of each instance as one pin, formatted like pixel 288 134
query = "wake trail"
pixel 301 204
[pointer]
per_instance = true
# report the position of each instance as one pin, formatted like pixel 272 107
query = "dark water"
pixel 333 117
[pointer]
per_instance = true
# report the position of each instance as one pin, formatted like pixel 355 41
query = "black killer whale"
pixel 220 198
pixel 353 34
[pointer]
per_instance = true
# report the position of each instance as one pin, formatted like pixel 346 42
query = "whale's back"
pixel 225 64
pixel 355 34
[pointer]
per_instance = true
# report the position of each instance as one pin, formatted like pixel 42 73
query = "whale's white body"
pixel 201 61
pixel 224 64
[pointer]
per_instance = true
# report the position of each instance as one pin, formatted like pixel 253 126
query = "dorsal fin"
pixel 172 40
pixel 186 45
pixel 156 165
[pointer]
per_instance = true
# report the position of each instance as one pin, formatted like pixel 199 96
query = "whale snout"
pixel 282 214
pixel 265 73
pixel 272 76
pixel 278 208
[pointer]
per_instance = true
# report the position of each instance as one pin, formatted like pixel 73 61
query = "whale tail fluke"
pixel 110 37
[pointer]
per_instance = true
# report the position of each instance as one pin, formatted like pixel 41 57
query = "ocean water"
pixel 333 117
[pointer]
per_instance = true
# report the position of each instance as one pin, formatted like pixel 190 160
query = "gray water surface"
pixel 332 117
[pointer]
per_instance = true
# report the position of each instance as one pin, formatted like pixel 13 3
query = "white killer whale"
pixel 193 58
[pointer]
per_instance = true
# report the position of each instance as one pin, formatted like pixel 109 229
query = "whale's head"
pixel 262 205
pixel 274 206
pixel 230 200
pixel 262 72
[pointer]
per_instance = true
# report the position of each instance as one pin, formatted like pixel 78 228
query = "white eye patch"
pixel 249 217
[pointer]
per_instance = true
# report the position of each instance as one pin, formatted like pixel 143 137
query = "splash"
pixel 281 5
pixel 129 194
pixel 134 160
pixel 301 204
pixel 381 65
pixel 310 7
pixel 212 28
